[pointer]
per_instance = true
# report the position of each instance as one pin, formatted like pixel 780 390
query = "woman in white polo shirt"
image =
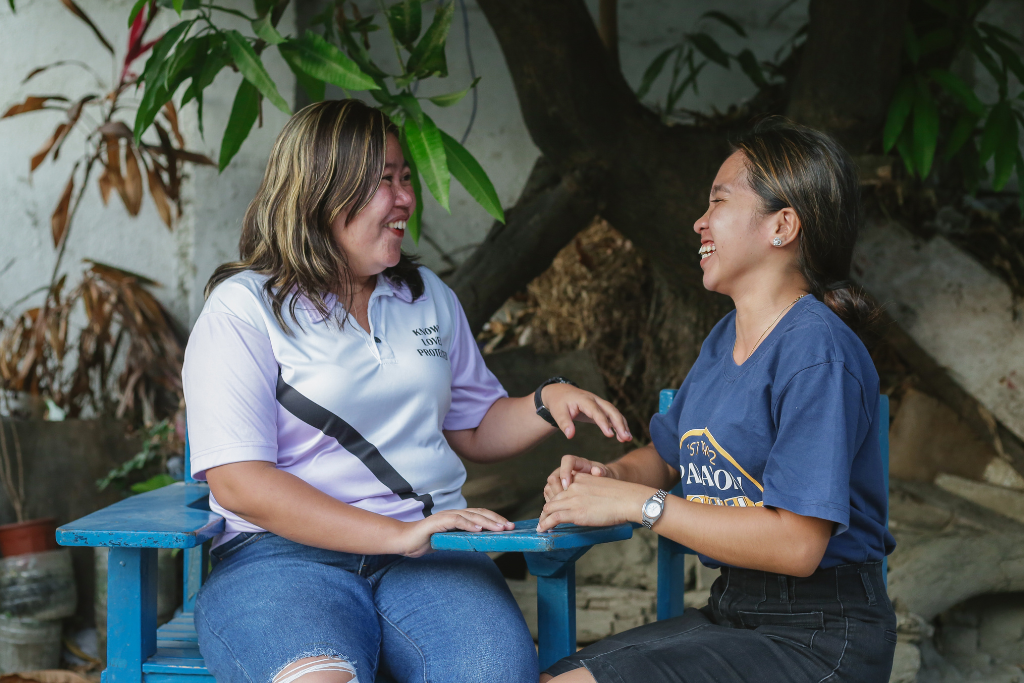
pixel 330 382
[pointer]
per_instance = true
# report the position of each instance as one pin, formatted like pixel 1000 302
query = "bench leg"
pixel 196 561
pixel 556 602
pixel 131 612
pixel 671 578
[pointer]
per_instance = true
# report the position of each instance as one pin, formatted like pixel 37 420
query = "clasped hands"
pixel 590 493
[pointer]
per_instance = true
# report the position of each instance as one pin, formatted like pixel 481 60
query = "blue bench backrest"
pixel 672 556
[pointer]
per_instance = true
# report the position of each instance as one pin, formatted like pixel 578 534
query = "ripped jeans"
pixel 446 617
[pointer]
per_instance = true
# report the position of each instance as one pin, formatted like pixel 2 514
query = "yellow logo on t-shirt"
pixel 709 466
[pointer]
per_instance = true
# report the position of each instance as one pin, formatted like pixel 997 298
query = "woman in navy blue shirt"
pixel 774 434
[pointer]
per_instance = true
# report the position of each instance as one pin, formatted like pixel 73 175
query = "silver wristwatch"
pixel 653 507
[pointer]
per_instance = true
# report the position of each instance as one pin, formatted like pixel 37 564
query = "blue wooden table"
pixel 551 557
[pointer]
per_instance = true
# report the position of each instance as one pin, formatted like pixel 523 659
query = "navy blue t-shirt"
pixel 794 427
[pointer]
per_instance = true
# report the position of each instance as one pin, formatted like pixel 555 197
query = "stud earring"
pixel 777 241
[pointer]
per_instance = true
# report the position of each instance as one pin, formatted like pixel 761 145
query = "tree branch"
pixel 551 210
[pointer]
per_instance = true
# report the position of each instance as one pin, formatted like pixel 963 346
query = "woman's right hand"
pixel 414 538
pixel 560 479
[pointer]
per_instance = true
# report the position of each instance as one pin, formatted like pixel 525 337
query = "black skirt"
pixel 835 625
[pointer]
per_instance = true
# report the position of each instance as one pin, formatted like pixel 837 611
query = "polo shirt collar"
pixel 385 287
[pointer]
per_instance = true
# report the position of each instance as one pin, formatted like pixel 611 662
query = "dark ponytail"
pixel 790 166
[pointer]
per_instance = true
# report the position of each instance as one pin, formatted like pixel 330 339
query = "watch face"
pixel 652 508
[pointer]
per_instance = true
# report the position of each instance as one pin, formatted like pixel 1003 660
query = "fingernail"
pixel 628 435
pixel 565 483
pixel 567 431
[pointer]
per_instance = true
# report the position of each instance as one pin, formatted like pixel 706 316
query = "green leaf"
pixel 263 28
pixel 905 147
pixel 1006 153
pixel 1010 58
pixel 962 131
pixel 751 67
pixel 725 19
pixel 995 31
pixel 163 47
pixel 153 483
pixel 315 88
pixel 218 58
pixel 189 55
pixel 454 97
pixel 154 97
pixel 468 171
pixel 406 20
pixel 959 90
pixel 985 57
pixel 428 57
pixel 1000 119
pixel 427 151
pixel 136 8
pixel 899 110
pixel 411 106
pixel 710 48
pixel 926 130
pixel 415 223
pixel 244 112
pixel 249 63
pixel 316 57
pixel 653 71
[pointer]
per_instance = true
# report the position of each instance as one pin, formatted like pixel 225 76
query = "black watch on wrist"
pixel 539 404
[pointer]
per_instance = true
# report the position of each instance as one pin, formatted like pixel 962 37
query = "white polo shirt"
pixel 358 415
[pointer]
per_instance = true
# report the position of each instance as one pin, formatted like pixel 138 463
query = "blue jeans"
pixel 446 617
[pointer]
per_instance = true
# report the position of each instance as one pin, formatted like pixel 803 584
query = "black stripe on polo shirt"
pixel 333 426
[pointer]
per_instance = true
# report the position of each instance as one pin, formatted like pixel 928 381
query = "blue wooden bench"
pixel 178 516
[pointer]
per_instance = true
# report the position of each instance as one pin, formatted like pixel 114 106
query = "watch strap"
pixel 647 521
pixel 538 403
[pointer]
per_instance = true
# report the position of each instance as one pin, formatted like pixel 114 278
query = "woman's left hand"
pixel 595 501
pixel 567 403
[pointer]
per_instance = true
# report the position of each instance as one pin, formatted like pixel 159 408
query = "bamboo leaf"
pixel 959 90
pixel 427 151
pixel 710 48
pixel 249 63
pixel 314 56
pixel 59 219
pixel 899 110
pixel 455 97
pixel 415 223
pixel 428 56
pixel 926 131
pixel 244 112
pixel 999 119
pixel 725 19
pixel 653 71
pixel 468 171
pixel 406 20
pixel 264 28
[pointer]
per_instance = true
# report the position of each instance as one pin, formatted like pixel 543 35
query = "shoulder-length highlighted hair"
pixel 329 157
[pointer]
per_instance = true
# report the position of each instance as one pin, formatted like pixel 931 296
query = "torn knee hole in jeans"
pixel 315 666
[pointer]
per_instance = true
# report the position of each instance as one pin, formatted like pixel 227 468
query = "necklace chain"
pixel 754 348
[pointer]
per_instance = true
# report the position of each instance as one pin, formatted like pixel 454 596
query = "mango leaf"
pixel 926 130
pixel 406 20
pixel 415 223
pixel 152 99
pixel 959 90
pixel 751 67
pixel 653 71
pixel 426 149
pixel 725 19
pixel 1000 119
pixel 244 112
pixel 190 54
pixel 468 171
pixel 899 110
pixel 411 106
pixel 263 28
pixel 249 63
pixel 1006 153
pixel 455 97
pixel 985 57
pixel 710 48
pixel 428 57
pixel 962 131
pixel 316 57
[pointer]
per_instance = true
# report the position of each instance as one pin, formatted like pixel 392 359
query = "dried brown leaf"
pixel 33 103
pixel 106 185
pixel 172 118
pixel 159 194
pixel 132 183
pixel 77 11
pixel 40 156
pixel 74 113
pixel 59 220
pixel 117 129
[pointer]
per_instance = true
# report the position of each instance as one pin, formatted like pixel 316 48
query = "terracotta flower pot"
pixel 33 536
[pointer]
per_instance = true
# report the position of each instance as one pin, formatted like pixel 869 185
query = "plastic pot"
pixel 38 585
pixel 33 536
pixel 28 644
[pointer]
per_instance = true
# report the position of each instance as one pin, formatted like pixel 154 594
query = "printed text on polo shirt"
pixel 428 337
